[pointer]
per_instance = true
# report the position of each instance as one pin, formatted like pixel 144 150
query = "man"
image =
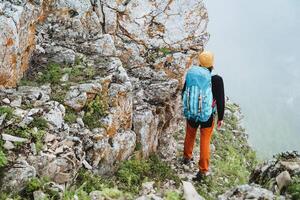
pixel 217 102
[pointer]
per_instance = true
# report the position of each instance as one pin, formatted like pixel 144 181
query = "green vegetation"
pixel 85 183
pixel 29 133
pixel 39 122
pixel 70 116
pixel 165 51
pixel 133 173
pixel 232 161
pixel 59 92
pixel 90 182
pixel 8 111
pixel 95 110
pixel 52 74
pixel 3 159
pixel 171 195
pixel 294 188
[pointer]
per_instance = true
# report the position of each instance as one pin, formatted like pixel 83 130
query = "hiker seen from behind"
pixel 203 99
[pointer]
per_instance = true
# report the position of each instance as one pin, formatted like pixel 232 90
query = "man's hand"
pixel 219 124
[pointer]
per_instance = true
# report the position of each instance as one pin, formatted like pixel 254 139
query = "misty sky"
pixel 257 49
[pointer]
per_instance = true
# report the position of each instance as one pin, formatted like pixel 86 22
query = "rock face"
pixel 18 22
pixel 139 50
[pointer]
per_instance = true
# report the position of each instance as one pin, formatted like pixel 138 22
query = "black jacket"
pixel 218 96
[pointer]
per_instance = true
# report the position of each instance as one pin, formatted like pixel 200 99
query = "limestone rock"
pixel 96 195
pixel 55 115
pixel 17 38
pixel 145 126
pixel 17 176
pixel 152 23
pixel 78 95
pixel 39 195
pixel 190 192
pixel 248 192
pixel 283 180
pixel 11 138
pixel 8 145
pixel 147 188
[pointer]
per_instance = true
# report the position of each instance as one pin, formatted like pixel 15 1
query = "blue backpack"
pixel 197 97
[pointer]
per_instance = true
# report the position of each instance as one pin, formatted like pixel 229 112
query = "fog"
pixel 257 51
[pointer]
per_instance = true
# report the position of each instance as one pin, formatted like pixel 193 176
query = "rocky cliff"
pixel 90 89
pixel 101 79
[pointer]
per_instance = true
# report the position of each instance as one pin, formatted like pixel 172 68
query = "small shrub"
pixel 39 122
pixel 34 184
pixel 70 116
pixel 52 74
pixel 95 110
pixel 90 182
pixel 112 193
pixel 161 170
pixel 38 139
pixel 294 188
pixel 59 92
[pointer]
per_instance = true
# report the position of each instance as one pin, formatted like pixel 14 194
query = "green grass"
pixel 132 173
pixel 231 163
pixel 171 195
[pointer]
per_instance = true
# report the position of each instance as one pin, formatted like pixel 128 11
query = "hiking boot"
pixel 200 176
pixel 187 161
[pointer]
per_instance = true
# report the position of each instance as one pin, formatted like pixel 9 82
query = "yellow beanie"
pixel 206 59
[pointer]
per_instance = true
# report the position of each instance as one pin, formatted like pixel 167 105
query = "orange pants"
pixel 205 138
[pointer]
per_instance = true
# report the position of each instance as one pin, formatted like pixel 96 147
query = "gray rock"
pixel 283 180
pixel 77 95
pixel 16 102
pixel 39 195
pixel 64 78
pixel 80 122
pixel 17 176
pixel 96 195
pixel 248 192
pixel 6 101
pixel 11 138
pixel 189 192
pixel 87 165
pixel 8 145
pixel 55 115
pixel 147 188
